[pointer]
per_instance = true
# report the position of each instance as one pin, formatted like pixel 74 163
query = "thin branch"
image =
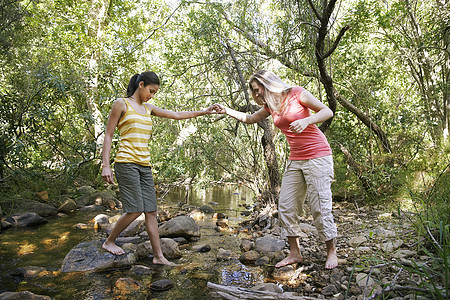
pixel 157 28
pixel 398 288
pixel 336 41
pixel 434 240
pixel 388 287
pixel 314 9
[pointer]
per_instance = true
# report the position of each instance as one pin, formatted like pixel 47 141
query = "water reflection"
pixel 47 245
pixel 221 198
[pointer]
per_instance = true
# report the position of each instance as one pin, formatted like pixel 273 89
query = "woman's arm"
pixel 179 115
pixel 322 114
pixel 118 109
pixel 256 117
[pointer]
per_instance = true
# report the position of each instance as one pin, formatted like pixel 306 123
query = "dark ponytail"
pixel 146 77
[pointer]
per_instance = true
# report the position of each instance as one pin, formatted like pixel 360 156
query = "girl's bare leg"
pixel 122 223
pixel 151 225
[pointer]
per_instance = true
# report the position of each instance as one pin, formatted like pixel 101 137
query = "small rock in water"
pixel 219 216
pixel 81 226
pixel 207 209
pixel 161 285
pixel 223 254
pixel 249 257
pixel 141 270
pixel 223 223
pixel 246 245
pixel 262 261
pixel 201 248
pixel 27 219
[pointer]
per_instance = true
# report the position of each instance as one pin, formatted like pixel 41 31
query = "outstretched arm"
pixel 256 117
pixel 179 115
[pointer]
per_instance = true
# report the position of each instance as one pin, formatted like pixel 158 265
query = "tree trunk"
pixel 96 23
pixel 326 80
pixel 358 171
pixel 270 155
pixel 446 74
pixel 368 122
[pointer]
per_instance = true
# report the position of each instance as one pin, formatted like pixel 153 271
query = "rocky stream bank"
pixel 220 255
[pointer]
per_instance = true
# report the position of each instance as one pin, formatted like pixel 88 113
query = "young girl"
pixel 131 115
pixel 309 171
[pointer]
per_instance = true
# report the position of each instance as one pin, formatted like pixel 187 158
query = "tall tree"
pixel 96 22
pixel 319 17
pixel 419 33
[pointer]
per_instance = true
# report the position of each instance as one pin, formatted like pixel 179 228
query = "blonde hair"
pixel 275 89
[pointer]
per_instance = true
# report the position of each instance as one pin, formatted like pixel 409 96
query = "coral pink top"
pixel 311 142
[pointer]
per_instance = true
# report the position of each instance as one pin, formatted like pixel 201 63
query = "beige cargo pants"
pixel 307 179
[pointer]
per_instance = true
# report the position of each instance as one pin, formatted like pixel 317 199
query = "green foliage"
pixel 58 59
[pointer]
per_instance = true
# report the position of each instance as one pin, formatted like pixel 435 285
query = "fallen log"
pixel 238 293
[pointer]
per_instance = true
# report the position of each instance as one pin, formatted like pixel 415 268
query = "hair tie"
pixel 137 79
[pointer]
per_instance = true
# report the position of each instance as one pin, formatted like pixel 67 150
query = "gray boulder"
pixel 168 246
pixel 24 295
pixel 28 271
pixel 269 244
pixel 42 209
pixel 136 227
pixel 182 226
pixel 106 198
pixel 68 206
pixel 207 209
pixel 85 190
pixel 26 219
pixel 161 285
pixel 90 256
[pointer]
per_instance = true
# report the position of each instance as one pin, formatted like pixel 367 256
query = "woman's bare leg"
pixel 332 260
pixel 294 254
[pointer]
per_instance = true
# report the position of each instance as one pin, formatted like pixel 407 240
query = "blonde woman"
pixel 309 171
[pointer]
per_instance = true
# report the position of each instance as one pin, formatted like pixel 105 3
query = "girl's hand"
pixel 210 110
pixel 298 126
pixel 219 108
pixel 107 174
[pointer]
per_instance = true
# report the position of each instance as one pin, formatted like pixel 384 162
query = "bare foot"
pixel 332 260
pixel 163 261
pixel 289 260
pixel 113 248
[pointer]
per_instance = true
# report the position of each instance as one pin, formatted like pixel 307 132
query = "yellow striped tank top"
pixel 135 130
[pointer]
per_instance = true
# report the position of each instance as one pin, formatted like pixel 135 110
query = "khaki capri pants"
pixel 307 179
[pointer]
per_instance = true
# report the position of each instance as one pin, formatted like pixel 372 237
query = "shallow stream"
pixel 47 245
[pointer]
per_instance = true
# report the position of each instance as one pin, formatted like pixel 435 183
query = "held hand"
pixel 298 126
pixel 219 108
pixel 107 175
pixel 210 110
